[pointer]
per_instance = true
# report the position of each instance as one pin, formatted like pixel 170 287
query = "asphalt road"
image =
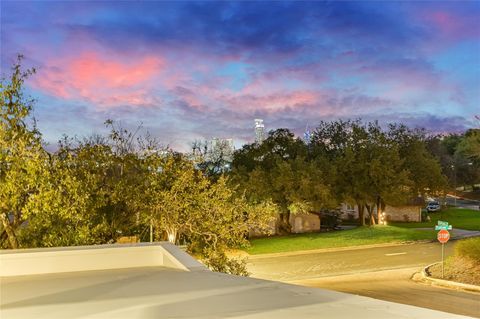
pixel 296 267
pixel 397 286
pixel 381 273
pixel 465 203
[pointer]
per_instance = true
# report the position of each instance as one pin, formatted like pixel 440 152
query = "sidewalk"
pixel 463 233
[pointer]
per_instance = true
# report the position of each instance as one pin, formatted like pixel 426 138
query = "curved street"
pixel 382 273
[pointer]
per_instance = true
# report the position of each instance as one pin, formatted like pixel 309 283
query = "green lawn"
pixel 457 217
pixel 343 238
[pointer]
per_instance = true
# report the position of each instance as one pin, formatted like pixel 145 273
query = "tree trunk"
pixel 383 205
pixel 172 235
pixel 361 214
pixel 370 214
pixel 12 238
pixel 379 208
pixel 284 226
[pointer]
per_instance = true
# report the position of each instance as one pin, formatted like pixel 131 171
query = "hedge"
pixel 468 248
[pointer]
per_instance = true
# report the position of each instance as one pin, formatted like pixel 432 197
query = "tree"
pixel 469 146
pixel 458 156
pixel 209 215
pixel 424 170
pixel 64 210
pixel 186 202
pixel 467 158
pixel 21 154
pixel 278 170
pixel 213 158
pixel 368 167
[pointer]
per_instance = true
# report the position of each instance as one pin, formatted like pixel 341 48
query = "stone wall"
pixel 409 213
pixel 304 223
pixel 403 213
pixel 301 223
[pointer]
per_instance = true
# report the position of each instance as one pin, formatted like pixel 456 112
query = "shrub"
pixel 469 248
pixel 219 262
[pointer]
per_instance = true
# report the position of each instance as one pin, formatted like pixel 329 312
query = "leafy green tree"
pixel 467 158
pixel 368 167
pixel 185 202
pixel 457 154
pixel 424 170
pixel 21 155
pixel 469 146
pixel 64 209
pixel 88 193
pixel 386 174
pixel 278 170
pixel 209 215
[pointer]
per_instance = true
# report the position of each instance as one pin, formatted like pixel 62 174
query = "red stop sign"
pixel 443 236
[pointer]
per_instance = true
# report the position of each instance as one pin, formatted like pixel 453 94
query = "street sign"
pixel 443 225
pixel 443 236
pixel 449 227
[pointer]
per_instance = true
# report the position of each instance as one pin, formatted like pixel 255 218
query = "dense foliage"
pixel 344 162
pixel 468 248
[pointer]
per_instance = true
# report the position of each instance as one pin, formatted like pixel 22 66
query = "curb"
pixel 328 250
pixel 447 283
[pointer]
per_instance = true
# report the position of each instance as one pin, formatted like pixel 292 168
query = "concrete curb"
pixel 328 250
pixel 446 283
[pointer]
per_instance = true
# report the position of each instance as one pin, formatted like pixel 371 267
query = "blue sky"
pixel 197 70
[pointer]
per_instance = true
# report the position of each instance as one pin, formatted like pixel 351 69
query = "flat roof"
pixel 160 292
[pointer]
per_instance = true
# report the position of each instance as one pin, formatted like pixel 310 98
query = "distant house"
pixel 304 223
pixel 301 223
pixel 409 212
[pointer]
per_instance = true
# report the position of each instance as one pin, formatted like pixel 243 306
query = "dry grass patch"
pixel 464 266
pixel 464 270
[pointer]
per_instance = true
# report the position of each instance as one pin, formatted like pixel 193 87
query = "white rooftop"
pixel 170 291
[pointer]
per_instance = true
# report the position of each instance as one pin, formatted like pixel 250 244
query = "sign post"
pixel 443 236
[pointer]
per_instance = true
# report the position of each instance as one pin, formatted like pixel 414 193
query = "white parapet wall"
pixel 20 262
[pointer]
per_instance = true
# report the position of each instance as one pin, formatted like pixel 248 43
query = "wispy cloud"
pixel 204 69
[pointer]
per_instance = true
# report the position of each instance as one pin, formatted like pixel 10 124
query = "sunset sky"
pixel 193 70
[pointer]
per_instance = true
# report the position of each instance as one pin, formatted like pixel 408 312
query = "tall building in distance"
pixel 259 131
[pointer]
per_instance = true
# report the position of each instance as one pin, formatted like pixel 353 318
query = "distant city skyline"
pixel 199 70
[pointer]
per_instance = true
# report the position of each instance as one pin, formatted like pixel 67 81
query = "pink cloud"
pixel 443 20
pixel 450 25
pixel 104 81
